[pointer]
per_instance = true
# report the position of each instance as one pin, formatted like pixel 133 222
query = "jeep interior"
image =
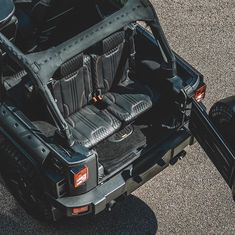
pixel 110 95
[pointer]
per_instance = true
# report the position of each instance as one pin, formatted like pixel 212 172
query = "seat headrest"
pixel 113 41
pixel 71 65
pixel 108 44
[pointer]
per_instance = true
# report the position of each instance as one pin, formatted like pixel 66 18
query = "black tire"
pixel 222 115
pixel 24 183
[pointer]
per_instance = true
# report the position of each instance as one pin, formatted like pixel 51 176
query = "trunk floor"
pixel 113 155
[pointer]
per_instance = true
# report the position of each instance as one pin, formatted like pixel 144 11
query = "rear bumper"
pixel 129 179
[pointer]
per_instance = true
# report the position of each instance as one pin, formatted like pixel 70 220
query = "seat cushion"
pixel 128 102
pixel 91 125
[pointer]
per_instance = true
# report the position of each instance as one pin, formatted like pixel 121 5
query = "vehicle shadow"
pixel 131 216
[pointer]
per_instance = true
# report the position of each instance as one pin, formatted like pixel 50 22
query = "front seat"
pixel 31 15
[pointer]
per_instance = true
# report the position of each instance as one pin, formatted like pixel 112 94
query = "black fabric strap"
pixel 127 54
pixel 132 64
pixel 98 82
pixel 122 65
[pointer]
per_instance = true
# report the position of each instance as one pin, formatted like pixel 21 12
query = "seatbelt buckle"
pixel 94 99
pixel 97 97
pixel 100 97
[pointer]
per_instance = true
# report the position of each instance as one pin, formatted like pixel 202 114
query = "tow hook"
pixel 179 156
pixel 111 205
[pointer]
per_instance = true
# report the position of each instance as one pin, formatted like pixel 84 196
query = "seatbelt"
pixel 98 84
pixel 131 39
pixel 97 81
pixel 128 53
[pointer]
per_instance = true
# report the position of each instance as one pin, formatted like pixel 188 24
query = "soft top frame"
pixel 42 65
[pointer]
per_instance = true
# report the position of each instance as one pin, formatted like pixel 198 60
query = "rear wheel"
pixel 222 115
pixel 23 182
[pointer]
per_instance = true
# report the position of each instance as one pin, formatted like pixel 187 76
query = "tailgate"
pixel 215 146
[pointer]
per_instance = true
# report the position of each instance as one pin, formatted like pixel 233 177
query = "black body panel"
pixel 130 178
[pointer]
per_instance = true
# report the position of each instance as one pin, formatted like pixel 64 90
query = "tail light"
pixel 80 210
pixel 200 93
pixel 80 177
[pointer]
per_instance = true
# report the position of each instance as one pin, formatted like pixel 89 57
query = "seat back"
pixel 72 87
pixel 78 79
pixel 49 22
pixel 112 59
pixel 106 61
pixel 37 10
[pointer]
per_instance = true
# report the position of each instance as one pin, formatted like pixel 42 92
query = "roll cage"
pixel 42 65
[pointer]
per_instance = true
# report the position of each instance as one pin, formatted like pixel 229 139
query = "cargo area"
pixel 110 95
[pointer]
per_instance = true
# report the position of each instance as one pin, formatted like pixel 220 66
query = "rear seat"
pixel 73 91
pixel 124 98
pixel 128 102
pixel 119 100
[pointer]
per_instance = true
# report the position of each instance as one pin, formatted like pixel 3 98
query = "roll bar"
pixel 42 65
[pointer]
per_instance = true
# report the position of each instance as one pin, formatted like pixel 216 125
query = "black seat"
pixel 73 92
pixel 91 125
pixel 129 101
pixel 103 75
pixel 44 23
pixel 31 15
pixel 125 99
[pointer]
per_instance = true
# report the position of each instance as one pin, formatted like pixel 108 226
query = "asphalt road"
pixel 191 197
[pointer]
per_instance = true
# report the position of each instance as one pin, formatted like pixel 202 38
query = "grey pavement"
pixel 190 197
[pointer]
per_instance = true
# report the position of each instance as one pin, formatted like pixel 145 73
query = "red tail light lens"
pixel 200 93
pixel 80 177
pixel 80 210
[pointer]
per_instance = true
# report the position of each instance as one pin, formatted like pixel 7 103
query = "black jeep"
pixel 94 103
